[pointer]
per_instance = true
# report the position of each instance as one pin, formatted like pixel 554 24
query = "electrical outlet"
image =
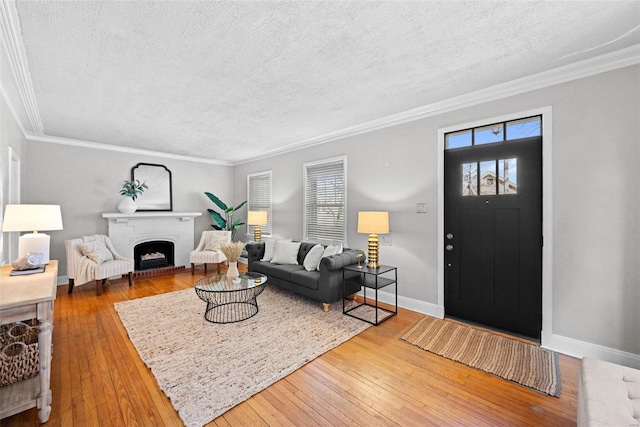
pixel 385 239
pixel 421 208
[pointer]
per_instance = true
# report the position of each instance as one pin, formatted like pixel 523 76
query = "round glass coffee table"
pixel 229 302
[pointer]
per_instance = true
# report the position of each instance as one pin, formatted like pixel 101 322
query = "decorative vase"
pixel 127 205
pixel 232 271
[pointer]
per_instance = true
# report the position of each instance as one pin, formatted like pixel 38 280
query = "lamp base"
pixel 374 251
pixel 257 234
pixel 34 242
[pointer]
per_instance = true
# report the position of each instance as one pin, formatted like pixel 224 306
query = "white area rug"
pixel 205 368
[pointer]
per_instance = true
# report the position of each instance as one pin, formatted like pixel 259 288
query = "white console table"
pixel 23 298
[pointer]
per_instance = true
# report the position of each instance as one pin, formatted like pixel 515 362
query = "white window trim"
pixel 305 167
pixel 269 210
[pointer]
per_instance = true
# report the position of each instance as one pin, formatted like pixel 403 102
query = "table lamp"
pixel 373 223
pixel 257 218
pixel 33 218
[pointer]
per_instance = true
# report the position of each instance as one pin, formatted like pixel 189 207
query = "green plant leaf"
pixel 218 219
pixel 240 205
pixel 219 203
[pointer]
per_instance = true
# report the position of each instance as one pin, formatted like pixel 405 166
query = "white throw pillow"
pixel 269 246
pixel 328 251
pixel 313 257
pixel 96 251
pixel 285 252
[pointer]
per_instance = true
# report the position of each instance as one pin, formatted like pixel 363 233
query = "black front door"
pixel 493 235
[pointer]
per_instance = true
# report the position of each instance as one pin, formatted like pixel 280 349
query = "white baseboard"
pixel 580 349
pixel 62 280
pixel 408 303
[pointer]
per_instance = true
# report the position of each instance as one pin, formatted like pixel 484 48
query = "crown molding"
pixel 128 150
pixel 601 64
pixel 17 60
pixel 7 100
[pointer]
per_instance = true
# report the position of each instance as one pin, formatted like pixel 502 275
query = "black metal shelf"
pixel 370 278
pixel 370 282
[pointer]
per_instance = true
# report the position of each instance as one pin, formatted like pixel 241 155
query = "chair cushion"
pixel 214 242
pixel 609 395
pixel 96 252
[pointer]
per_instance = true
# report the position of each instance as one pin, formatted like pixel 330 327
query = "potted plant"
pixel 227 222
pixel 131 190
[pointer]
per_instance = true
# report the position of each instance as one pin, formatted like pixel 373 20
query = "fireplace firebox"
pixel 154 254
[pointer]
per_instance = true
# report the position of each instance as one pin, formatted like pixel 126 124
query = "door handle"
pixel 449 248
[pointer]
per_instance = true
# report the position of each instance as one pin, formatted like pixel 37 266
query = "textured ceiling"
pixel 231 80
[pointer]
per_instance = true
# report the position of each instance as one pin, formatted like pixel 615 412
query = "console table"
pixel 371 278
pixel 24 298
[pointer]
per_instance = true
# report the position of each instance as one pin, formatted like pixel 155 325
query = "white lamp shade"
pixel 373 222
pixel 32 218
pixel 257 218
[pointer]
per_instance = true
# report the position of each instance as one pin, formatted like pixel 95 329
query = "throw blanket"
pixel 87 269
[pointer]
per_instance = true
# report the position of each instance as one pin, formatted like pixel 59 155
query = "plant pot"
pixel 232 271
pixel 127 205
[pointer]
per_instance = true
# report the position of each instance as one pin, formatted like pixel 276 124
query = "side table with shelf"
pixel 371 278
pixel 24 298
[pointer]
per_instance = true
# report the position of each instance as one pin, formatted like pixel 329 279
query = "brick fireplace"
pixel 168 233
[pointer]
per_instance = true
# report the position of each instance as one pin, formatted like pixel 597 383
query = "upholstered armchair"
pixel 208 250
pixel 93 258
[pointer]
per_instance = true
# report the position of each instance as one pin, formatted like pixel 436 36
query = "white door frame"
pixel 547 210
pixel 14 198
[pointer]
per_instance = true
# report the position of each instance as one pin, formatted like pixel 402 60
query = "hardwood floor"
pixel 375 379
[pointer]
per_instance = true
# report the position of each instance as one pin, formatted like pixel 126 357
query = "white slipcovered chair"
pixel 94 258
pixel 208 250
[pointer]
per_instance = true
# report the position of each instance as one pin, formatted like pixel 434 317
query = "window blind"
pixel 325 194
pixel 259 197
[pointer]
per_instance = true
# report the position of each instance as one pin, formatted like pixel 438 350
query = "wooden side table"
pixel 23 298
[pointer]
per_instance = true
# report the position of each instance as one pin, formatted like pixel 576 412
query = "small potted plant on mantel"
pixel 131 190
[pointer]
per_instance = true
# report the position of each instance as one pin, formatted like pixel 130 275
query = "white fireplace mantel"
pixel 128 230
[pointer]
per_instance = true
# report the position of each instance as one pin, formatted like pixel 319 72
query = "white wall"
pixel 10 136
pixel 596 202
pixel 86 182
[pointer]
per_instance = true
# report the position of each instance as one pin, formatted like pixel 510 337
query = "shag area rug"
pixel 514 360
pixel 205 369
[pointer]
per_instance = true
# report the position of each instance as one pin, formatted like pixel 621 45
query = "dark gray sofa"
pixel 324 286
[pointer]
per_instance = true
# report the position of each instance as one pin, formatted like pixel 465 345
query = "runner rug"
pixel 511 359
pixel 205 369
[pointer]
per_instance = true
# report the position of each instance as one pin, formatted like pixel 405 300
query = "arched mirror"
pixel 159 196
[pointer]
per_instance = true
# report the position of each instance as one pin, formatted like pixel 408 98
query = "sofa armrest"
pixel 255 252
pixel 338 261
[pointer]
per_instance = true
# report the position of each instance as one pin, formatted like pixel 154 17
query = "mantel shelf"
pixel 150 214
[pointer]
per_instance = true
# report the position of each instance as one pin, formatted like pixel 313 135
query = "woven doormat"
pixel 514 360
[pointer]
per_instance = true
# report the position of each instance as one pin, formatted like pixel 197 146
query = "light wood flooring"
pixel 375 379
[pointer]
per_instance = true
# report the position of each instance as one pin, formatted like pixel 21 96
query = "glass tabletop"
pixel 220 283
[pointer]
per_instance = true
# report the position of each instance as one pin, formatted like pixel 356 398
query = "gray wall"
pixel 596 202
pixel 86 182
pixel 10 136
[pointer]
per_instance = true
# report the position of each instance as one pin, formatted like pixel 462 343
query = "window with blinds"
pixel 325 200
pixel 259 197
